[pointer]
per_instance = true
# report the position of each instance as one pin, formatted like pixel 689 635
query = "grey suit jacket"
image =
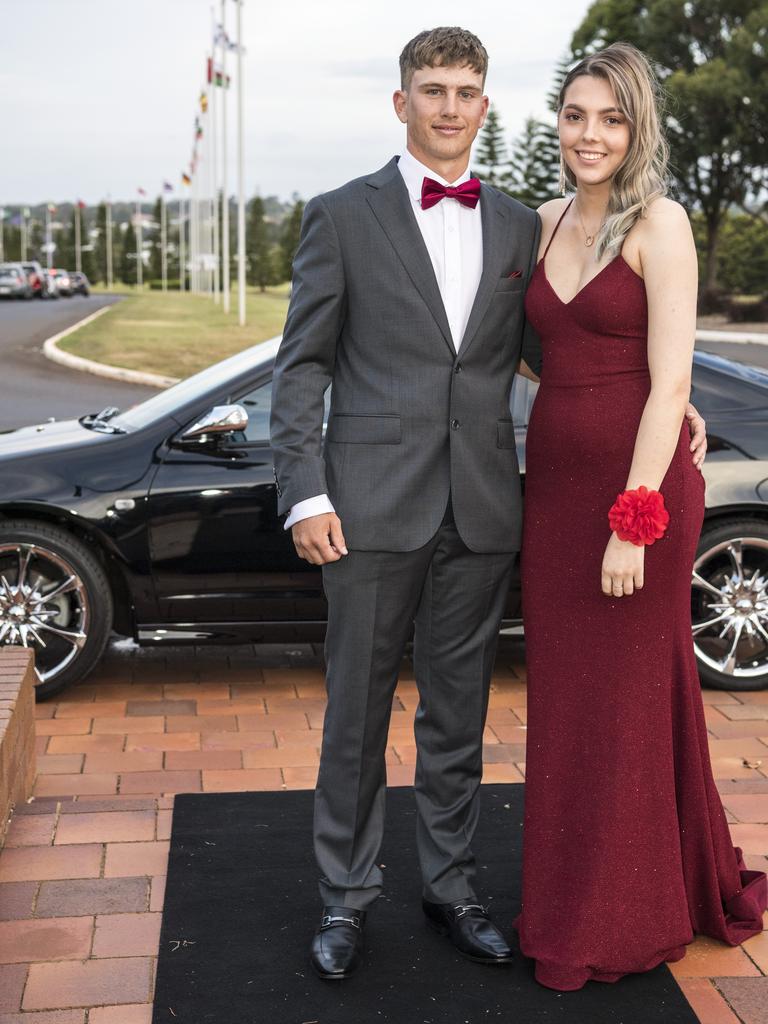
pixel 411 421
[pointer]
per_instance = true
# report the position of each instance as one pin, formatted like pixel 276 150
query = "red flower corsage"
pixel 639 516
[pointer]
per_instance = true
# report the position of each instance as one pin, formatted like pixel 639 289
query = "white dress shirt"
pixel 453 235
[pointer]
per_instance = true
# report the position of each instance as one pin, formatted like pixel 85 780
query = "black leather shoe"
pixel 338 942
pixel 470 929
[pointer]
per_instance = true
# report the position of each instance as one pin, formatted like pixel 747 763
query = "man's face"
pixel 444 109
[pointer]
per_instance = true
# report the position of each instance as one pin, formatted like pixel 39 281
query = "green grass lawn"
pixel 177 334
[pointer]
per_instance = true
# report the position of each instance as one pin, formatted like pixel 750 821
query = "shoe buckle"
pixel 328 920
pixel 464 908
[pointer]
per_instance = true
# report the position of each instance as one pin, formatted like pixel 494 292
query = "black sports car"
pixel 160 523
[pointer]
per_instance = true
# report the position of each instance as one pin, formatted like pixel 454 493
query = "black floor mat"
pixel 241 905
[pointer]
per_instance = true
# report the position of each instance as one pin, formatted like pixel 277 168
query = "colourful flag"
pixel 141 191
pixel 185 179
pixel 81 205
pixel 216 76
pixel 51 208
pixel 204 101
pixel 167 186
pixel 25 211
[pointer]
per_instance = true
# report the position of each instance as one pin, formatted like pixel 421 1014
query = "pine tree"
pixel 155 246
pixel 491 150
pixel 289 238
pixel 65 245
pixel 534 168
pixel 100 245
pixel 561 70
pixel 87 254
pixel 258 250
pixel 126 263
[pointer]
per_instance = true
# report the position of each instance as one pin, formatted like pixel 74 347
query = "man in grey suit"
pixel 408 299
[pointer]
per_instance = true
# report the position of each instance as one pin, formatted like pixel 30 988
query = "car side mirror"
pixel 221 419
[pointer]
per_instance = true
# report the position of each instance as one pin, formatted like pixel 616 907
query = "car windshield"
pixel 165 403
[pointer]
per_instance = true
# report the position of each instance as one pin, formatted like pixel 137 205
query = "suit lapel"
pixel 391 206
pixel 495 227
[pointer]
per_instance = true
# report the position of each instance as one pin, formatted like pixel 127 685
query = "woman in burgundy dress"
pixel 627 852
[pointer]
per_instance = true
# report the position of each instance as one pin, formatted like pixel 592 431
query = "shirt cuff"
pixel 316 506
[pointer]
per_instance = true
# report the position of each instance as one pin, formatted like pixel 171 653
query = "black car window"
pixel 713 391
pixel 257 403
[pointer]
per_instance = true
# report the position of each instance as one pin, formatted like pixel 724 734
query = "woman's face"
pixel 594 133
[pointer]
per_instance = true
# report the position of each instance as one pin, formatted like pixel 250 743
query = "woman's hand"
pixel 623 566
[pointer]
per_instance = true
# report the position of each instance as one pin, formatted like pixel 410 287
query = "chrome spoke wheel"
pixel 43 605
pixel 729 606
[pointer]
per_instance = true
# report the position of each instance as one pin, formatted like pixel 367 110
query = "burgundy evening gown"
pixel 626 850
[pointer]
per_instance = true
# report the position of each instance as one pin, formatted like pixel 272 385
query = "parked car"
pixel 37 278
pixel 63 282
pixel 14 283
pixel 80 283
pixel 160 523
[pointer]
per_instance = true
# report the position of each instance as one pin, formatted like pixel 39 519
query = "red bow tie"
pixel 467 193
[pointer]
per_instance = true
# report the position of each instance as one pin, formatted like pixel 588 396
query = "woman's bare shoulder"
pixel 551 210
pixel 663 215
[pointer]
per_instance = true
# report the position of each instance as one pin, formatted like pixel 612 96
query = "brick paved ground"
pixel 83 869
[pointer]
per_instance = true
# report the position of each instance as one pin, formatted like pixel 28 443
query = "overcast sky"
pixel 98 97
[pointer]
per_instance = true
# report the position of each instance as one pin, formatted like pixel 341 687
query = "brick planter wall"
pixel 17 730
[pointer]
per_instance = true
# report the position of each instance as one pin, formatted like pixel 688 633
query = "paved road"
pixel 32 388
pixel 754 355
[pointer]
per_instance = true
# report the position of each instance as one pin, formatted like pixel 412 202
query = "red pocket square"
pixel 515 273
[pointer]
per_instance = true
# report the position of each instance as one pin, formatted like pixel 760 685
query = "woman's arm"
pixel 668 259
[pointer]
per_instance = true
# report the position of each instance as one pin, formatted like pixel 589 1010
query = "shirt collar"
pixel 414 172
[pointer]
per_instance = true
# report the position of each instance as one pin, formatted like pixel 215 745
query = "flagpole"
pixel 163 248
pixel 182 254
pixel 240 173
pixel 193 235
pixel 2 234
pixel 24 230
pixel 209 205
pixel 78 259
pixel 139 267
pixel 225 286
pixel 48 241
pixel 214 166
pixel 109 242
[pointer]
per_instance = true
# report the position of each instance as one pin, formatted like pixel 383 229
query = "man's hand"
pixel 319 539
pixel 698 429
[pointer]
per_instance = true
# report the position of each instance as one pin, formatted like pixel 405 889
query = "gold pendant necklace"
pixel 588 239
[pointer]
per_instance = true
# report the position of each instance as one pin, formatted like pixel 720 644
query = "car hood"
pixel 47 437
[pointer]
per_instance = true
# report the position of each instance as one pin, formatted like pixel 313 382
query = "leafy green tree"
pixel 713 60
pixel 534 168
pixel 258 247
pixel 126 262
pixel 289 239
pixel 491 154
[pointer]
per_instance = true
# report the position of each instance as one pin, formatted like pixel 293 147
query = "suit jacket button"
pixel 455 424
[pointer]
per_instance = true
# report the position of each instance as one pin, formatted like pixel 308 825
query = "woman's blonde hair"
pixel 643 175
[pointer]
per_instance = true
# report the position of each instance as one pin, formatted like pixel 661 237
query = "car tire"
pixel 85 611
pixel 730 591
